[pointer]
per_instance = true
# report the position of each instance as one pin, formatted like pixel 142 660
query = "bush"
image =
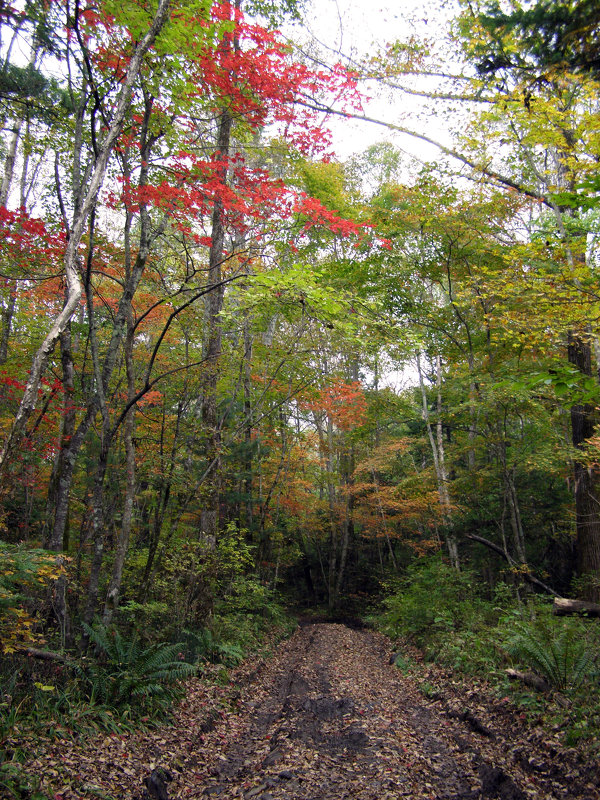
pixel 442 612
pixel 202 645
pixel 556 649
pixel 433 601
pixel 24 577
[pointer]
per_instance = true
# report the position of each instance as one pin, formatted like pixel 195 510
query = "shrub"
pixel 24 576
pixel 432 599
pixel 202 645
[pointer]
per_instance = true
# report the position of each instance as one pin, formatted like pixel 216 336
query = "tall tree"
pixel 547 112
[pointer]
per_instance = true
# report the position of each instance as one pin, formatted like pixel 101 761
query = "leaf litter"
pixel 327 718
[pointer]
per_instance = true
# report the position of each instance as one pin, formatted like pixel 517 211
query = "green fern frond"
pixel 129 671
pixel 558 655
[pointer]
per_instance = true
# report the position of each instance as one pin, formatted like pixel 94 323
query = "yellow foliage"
pixel 22 574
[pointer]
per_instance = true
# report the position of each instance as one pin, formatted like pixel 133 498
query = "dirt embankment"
pixel 329 718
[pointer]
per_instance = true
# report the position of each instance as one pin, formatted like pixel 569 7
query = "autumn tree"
pixel 548 113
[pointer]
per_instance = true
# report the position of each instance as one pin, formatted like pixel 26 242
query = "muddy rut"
pixel 333 719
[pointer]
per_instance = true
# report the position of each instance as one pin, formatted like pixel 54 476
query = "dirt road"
pixel 327 718
pixel 333 719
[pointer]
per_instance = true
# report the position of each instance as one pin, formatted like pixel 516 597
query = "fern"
pixel 202 645
pixel 559 655
pixel 125 671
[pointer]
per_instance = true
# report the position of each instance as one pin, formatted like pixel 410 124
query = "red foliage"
pixel 250 72
pixel 27 246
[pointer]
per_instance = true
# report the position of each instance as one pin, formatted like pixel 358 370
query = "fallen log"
pixel 564 607
pixel 45 655
pixel 523 573
pixel 529 679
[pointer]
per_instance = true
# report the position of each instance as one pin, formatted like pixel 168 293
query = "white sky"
pixel 358 27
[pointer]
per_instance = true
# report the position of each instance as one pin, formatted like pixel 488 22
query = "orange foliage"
pixel 343 402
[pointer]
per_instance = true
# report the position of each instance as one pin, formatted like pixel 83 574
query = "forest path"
pixel 330 718
pixel 327 718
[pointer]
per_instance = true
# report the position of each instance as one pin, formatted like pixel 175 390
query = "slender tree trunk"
pixel 209 520
pixel 587 478
pixel 8 312
pixel 472 435
pixel 325 433
pixel 133 276
pixel 97 530
pixel 438 454
pixel 73 284
pixel 9 168
pixel 9 162
pixel 168 464
pixel 61 543
pixel 333 531
pixel 515 515
pixel 247 483
pixel 383 520
pixel 348 525
pixel 114 587
pixel 97 515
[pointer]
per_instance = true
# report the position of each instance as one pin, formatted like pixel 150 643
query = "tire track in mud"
pixel 330 719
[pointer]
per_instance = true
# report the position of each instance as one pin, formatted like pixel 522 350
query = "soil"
pixel 327 718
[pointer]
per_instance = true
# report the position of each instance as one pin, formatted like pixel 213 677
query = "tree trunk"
pixel 348 524
pixel 439 463
pixel 587 478
pixel 247 483
pixel 209 518
pixel 97 525
pixel 73 284
pixel 515 514
pixel 134 274
pixel 8 312
pixel 564 607
pixel 9 169
pixel 112 596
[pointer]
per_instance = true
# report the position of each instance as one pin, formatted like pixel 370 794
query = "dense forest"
pixel 238 375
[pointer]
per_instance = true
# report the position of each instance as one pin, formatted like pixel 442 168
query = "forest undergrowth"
pixel 448 637
pixel 130 678
pixel 510 639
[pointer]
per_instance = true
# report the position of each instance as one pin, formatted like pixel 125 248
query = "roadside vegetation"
pixel 504 638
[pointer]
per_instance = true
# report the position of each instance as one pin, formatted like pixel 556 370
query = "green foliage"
pixel 275 11
pixel 234 555
pixel 443 612
pixel 433 598
pixel 16 783
pixel 241 621
pixel 558 652
pixel 124 672
pixel 243 618
pixel 202 645
pixel 149 618
pixel 404 664
pixel 549 33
